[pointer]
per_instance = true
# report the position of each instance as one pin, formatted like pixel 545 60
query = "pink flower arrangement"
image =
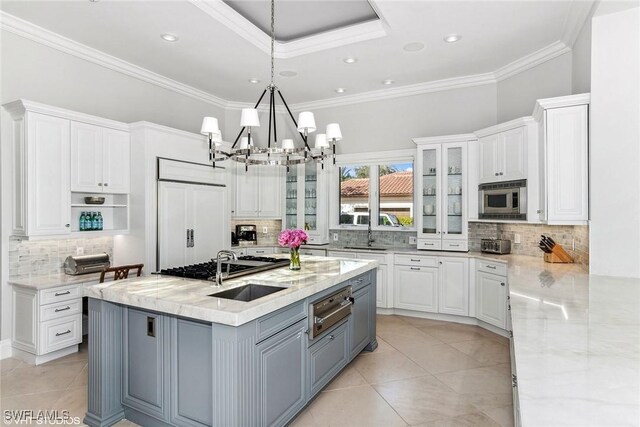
pixel 292 238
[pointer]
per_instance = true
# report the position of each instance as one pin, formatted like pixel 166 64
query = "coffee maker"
pixel 247 234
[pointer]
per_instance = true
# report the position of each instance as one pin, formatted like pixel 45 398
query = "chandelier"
pixel 245 150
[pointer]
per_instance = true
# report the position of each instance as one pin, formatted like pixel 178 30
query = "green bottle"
pixel 83 220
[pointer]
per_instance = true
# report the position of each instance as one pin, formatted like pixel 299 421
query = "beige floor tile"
pixel 436 359
pixel 424 399
pixel 74 401
pixel 123 423
pixel 387 366
pixel 410 338
pixel 8 365
pixel 503 415
pixel 487 387
pixel 349 377
pixel 304 419
pixel 419 322
pixel 33 379
pixel 82 379
pixel 477 419
pixel 382 346
pixel 382 319
pixel 358 406
pixel 494 336
pixel 454 332
pixel 484 350
pixel 36 401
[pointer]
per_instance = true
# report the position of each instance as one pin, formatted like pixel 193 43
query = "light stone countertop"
pixel 577 345
pixel 190 298
pixel 54 280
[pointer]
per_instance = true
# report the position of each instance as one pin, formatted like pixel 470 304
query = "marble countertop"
pixel 577 345
pixel 190 298
pixel 53 280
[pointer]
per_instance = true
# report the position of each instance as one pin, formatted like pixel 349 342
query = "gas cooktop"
pixel 241 267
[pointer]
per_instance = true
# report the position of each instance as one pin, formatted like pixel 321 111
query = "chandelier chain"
pixel 273 36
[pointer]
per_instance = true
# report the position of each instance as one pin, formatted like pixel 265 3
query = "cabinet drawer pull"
pixel 99 184
pixel 58 310
pixel 415 260
pixel 415 268
pixel 454 246
pixel 62 293
pixel 428 244
pixel 259 252
pixel 63 333
pixel 493 267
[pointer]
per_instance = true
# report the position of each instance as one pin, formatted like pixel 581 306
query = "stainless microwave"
pixel 503 200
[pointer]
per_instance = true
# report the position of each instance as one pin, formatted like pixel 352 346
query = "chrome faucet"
pixel 370 238
pixel 223 255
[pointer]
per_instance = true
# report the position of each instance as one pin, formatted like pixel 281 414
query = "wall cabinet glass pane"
pixel 291 193
pixel 454 187
pixel 310 196
pixel 430 191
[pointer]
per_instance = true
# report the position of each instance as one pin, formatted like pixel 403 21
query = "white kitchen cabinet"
pixel 416 288
pixel 491 299
pixel 453 296
pixel 258 192
pixel 442 192
pixel 262 251
pixel 191 223
pixel 563 159
pixel 383 284
pixel 503 151
pixel 41 193
pixel 306 201
pixel 99 159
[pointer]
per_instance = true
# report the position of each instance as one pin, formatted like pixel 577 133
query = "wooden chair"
pixel 121 272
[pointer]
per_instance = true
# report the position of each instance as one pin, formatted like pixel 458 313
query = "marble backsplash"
pixel 391 238
pixel 42 257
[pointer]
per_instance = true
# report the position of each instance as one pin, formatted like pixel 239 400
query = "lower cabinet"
pixel 327 357
pixel 491 299
pixel 360 320
pixel 416 288
pixel 454 286
pixel 281 366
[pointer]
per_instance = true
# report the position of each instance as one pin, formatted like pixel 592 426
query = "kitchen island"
pixel 163 351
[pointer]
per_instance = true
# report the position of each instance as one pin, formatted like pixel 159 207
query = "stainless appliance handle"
pixel 345 304
pixel 193 241
pixel 188 238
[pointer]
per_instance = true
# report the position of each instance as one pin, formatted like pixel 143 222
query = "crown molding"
pixel 560 102
pixel 579 13
pixel 45 37
pixel 397 92
pixel 227 16
pixel 463 137
pixel 502 127
pixel 536 58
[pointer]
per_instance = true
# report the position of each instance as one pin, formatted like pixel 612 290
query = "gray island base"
pixel 162 369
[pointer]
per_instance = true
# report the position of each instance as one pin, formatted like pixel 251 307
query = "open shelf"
pixel 87 205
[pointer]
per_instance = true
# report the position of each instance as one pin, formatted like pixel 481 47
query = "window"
pixel 385 188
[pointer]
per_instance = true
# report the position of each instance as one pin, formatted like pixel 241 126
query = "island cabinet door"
pixel 145 363
pixel 282 375
pixel 360 319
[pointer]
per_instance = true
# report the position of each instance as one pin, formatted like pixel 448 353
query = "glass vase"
pixel 295 259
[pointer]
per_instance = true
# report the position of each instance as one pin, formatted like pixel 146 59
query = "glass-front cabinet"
pixel 442 192
pixel 306 201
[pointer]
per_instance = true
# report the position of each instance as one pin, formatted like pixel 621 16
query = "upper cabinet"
pixel 502 151
pixel 258 192
pixel 563 159
pixel 57 152
pixel 305 201
pixel 99 159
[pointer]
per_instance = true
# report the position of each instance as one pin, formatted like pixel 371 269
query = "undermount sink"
pixel 365 248
pixel 248 292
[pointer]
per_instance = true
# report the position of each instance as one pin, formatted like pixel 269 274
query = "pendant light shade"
pixel 321 141
pixel 333 132
pixel 287 144
pixel 217 138
pixel 249 118
pixel 306 122
pixel 244 143
pixel 209 125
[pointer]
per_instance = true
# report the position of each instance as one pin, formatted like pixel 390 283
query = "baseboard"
pixel 6 350
pixel 32 359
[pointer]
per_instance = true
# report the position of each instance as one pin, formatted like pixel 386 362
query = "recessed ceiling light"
pixel 169 37
pixel 413 46
pixel 350 60
pixel 452 38
pixel 288 73
pixel 388 82
pixel 254 80
pixel 341 90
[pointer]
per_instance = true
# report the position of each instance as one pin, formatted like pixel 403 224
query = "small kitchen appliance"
pixel 85 264
pixel 328 311
pixel 503 200
pixel 495 246
pixel 247 234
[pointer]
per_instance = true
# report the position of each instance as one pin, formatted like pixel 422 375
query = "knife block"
pixel 559 255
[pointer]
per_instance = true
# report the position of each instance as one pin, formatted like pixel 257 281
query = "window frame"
pixel 373 160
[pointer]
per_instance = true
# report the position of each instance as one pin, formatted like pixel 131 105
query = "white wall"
pixel 581 61
pixel 518 94
pixel 390 124
pixel 39 73
pixel 615 144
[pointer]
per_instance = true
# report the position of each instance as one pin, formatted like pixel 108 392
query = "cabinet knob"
pixel 67 225
pixel 502 284
pixel 106 184
pixel 332 337
pixel 501 173
pixel 496 173
pixel 99 184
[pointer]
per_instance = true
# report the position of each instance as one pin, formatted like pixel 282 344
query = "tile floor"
pixel 424 373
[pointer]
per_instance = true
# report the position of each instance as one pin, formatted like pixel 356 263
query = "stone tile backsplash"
pixel 42 257
pixel 396 239
pixel 274 227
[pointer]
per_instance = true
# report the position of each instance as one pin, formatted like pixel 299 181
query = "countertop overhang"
pixel 190 298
